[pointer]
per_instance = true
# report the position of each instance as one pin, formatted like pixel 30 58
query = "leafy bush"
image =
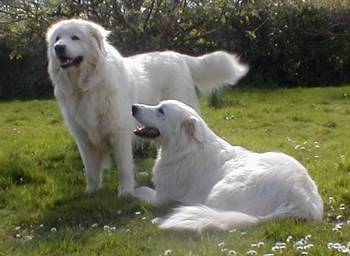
pixel 290 43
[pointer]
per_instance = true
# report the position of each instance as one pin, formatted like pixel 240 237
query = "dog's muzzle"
pixel 144 132
pixel 65 61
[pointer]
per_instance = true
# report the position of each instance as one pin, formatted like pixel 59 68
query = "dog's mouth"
pixel 66 62
pixel 147 132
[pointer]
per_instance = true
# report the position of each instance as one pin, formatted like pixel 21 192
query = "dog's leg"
pixel 91 155
pixel 145 194
pixel 122 150
pixel 92 158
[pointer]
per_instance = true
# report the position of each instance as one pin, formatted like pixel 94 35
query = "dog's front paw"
pixel 125 189
pixel 91 187
pixel 145 194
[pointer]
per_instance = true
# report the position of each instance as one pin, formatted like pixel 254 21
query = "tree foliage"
pixel 286 42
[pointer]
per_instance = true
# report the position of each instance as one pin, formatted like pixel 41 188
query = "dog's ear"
pixel 99 34
pixel 193 127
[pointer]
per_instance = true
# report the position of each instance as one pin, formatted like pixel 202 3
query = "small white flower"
pixel 18 235
pixel 308 237
pixel 106 228
pixel 338 227
pixel 251 252
pixel 279 244
pixel 342 207
pixel 339 217
pixel 308 246
pixel 275 248
pixel 221 244
pixel 53 230
pixel 232 252
pixel 336 245
pixel 168 252
pixel 155 220
pixel 260 244
pixel 345 250
pixel 95 225
pixel 299 248
pixel 335 229
pixel 137 213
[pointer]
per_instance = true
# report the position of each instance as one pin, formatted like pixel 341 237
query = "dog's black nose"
pixel 134 109
pixel 60 49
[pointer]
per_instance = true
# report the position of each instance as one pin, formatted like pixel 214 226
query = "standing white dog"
pixel 222 185
pixel 95 87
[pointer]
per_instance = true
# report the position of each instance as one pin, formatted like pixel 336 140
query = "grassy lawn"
pixel 44 210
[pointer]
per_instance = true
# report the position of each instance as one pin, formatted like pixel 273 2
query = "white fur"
pixel 220 185
pixel 96 97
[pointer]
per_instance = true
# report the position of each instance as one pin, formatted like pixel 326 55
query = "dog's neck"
pixel 177 150
pixel 79 79
pixel 73 74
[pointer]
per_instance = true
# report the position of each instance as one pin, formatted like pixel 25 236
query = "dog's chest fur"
pixel 88 114
pixel 183 181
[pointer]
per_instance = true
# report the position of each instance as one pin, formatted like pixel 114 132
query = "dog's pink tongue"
pixel 147 132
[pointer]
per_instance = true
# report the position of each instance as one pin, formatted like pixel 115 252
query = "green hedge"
pixel 287 43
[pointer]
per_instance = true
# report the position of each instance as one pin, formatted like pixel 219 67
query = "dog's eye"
pixel 160 110
pixel 57 38
pixel 75 37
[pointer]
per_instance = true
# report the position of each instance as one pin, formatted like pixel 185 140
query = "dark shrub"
pixel 288 43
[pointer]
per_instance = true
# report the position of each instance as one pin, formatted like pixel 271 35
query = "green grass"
pixel 45 211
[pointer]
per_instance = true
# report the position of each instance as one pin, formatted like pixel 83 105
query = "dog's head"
pixel 170 120
pixel 73 42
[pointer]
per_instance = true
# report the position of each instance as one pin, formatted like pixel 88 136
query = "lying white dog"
pixel 95 87
pixel 221 185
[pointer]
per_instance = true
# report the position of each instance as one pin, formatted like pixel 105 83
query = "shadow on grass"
pixel 83 210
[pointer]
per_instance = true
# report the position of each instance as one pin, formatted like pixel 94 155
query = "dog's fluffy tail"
pixel 215 70
pixel 200 217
